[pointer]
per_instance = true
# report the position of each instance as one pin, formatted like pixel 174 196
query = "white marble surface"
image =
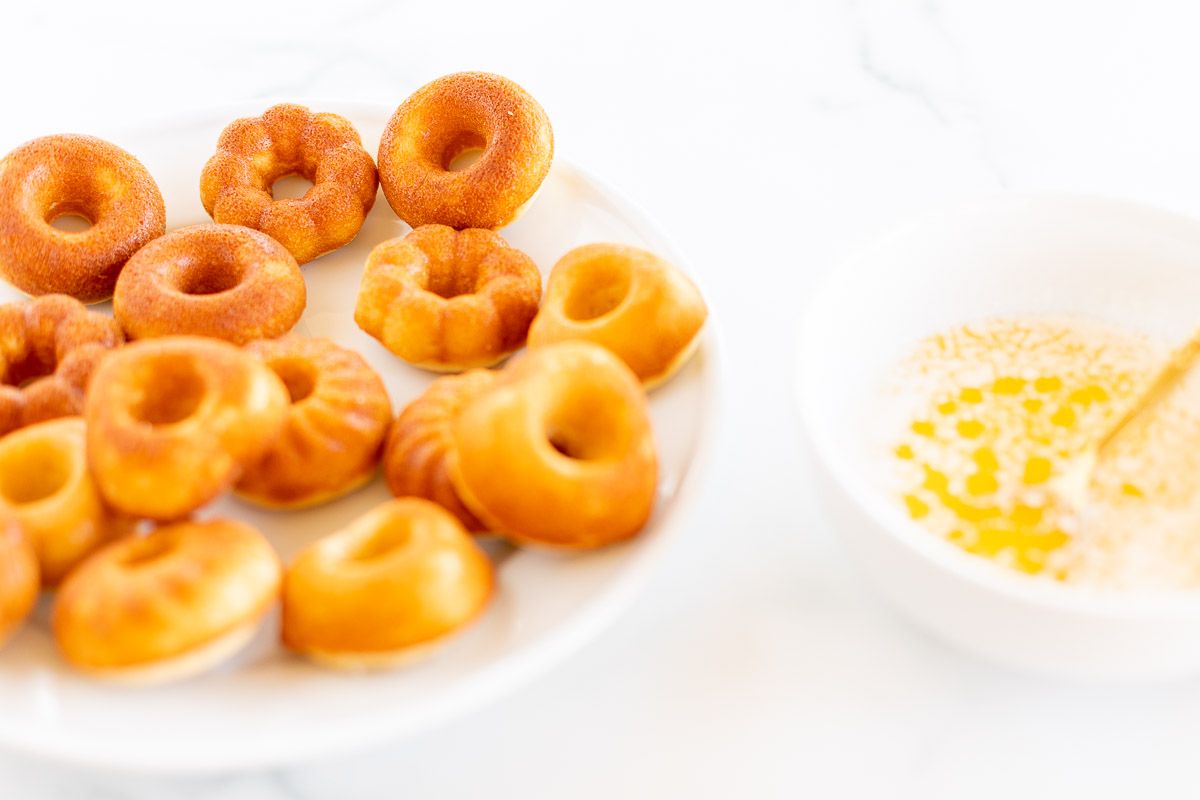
pixel 769 138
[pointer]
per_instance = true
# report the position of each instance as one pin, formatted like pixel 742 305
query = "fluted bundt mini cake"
pixel 167 606
pixel 289 139
pixel 173 422
pixel 382 590
pixel 627 299
pixel 335 426
pixel 467 111
pixel 448 300
pixel 49 348
pixel 420 446
pixel 559 452
pixel 45 485
pixel 222 281
pixel 73 175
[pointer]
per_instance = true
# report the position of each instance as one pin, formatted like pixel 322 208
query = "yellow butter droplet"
pixel 970 428
pixel 985 459
pixel 904 451
pixel 1027 516
pixel 948 407
pixel 981 483
pixel 971 395
pixel 1131 490
pixel 1033 404
pixel 1064 417
pixel 1008 385
pixel 1037 470
pixel 1051 383
pixel 917 508
pixel 923 428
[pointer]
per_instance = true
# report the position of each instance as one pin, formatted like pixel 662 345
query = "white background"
pixel 769 139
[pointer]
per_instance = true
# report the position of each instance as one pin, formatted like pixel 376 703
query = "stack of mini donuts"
pixel 116 432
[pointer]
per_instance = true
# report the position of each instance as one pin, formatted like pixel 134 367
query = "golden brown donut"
pixel 46 487
pixel 335 427
pixel 253 153
pixel 49 348
pixel 559 451
pixel 169 605
pixel 18 578
pixel 448 300
pixel 380 591
pixel 172 422
pixel 64 175
pixel 452 115
pixel 626 299
pixel 222 281
pixel 420 446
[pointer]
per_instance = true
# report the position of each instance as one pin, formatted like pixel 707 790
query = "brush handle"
pixel 1178 365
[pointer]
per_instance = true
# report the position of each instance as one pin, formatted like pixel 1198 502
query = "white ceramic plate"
pixel 269 707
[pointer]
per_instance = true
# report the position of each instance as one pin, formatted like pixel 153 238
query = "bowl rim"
pixel 1105 603
pixel 504 675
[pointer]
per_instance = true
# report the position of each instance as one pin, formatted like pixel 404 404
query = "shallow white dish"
pixel 270 708
pixel 1114 261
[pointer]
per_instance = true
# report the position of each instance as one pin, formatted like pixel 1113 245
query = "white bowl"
pixel 1115 261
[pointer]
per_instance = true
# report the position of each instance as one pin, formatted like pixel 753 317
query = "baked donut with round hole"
pixel 628 300
pixel 45 485
pixel 386 588
pixel 468 112
pixel 559 451
pixel 222 281
pixel 81 176
pixel 173 422
pixel 169 605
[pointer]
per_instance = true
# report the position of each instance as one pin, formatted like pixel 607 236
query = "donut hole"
pixel 297 375
pixel 33 471
pixel 290 187
pixel 449 280
pixel 463 151
pixel 71 223
pixel 172 390
pixel 598 290
pixel 25 371
pixel 147 550
pixel 69 217
pixel 380 542
pixel 587 428
pixel 209 277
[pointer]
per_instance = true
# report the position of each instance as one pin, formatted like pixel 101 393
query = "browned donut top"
pixel 71 174
pixel 223 281
pixel 48 350
pixel 465 111
pixel 253 153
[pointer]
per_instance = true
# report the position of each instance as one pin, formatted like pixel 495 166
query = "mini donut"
pixel 222 281
pixel 46 487
pixel 172 422
pixel 335 426
pixel 49 348
pixel 385 588
pixel 468 111
pixel 19 580
pixel 420 446
pixel 448 300
pixel 626 299
pixel 169 605
pixel 253 153
pixel 559 452
pixel 72 175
